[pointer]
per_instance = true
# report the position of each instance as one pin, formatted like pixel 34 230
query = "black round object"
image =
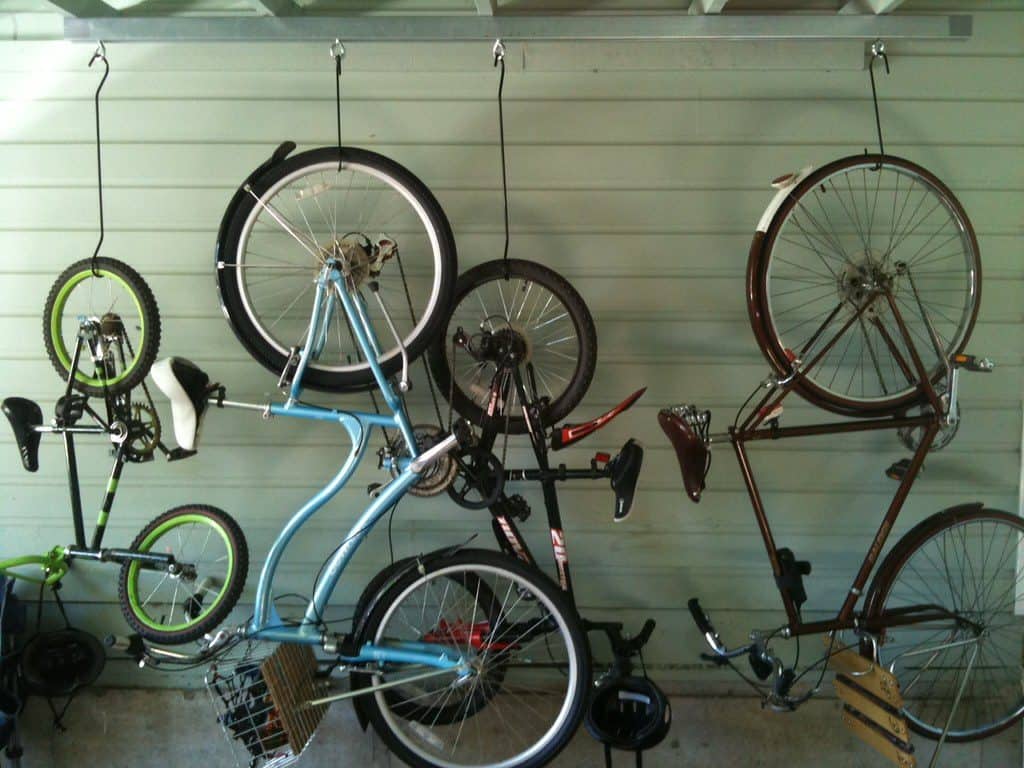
pixel 408 205
pixel 630 713
pixel 533 313
pixel 56 663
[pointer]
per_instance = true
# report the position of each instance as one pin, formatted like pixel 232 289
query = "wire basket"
pixel 261 703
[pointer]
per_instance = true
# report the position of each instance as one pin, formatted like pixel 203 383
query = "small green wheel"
pixel 115 300
pixel 185 601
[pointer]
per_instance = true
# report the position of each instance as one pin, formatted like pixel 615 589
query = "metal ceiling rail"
pixel 566 27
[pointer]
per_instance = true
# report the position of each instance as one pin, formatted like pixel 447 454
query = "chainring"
pixel 478 471
pixel 911 436
pixel 143 432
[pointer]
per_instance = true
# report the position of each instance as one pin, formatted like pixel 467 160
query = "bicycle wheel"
pixel 849 232
pixel 363 209
pixel 210 565
pixel 430 702
pixel 117 299
pixel 535 311
pixel 531 634
pixel 966 561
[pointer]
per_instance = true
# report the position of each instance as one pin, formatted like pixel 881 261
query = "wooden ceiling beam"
pixel 276 7
pixel 85 8
pixel 701 7
pixel 870 6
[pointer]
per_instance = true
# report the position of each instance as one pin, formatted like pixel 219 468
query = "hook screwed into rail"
pixel 877 52
pixel 337 52
pixel 101 54
pixel 499 58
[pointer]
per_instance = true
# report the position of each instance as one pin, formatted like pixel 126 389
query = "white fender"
pixel 784 184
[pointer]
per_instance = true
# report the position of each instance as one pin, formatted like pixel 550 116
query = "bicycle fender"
pixel 784 184
pixel 282 151
pixel 910 539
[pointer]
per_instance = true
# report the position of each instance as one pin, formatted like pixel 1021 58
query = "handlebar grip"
pixel 645 633
pixel 699 617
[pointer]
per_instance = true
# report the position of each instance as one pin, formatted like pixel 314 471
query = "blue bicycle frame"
pixel 266 624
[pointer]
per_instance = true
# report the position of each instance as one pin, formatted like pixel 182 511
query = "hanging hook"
pixel 101 54
pixel 337 51
pixel 499 58
pixel 877 52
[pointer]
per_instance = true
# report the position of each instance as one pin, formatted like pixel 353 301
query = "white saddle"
pixel 187 387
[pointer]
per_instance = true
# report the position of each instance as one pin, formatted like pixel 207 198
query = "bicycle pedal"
pixel 898 469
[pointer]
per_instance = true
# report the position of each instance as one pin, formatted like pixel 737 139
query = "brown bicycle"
pixel 863 285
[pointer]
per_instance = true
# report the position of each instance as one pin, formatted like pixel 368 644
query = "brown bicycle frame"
pixel 751 429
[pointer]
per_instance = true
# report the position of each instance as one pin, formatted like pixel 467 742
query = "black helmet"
pixel 630 713
pixel 58 663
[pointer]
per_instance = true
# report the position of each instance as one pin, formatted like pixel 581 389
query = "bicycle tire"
pixel 551 606
pixel 911 575
pixel 522 276
pixel 130 589
pixel 447 713
pixel 65 302
pixel 841 259
pixel 245 302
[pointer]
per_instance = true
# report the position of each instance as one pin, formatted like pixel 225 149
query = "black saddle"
pixel 625 469
pixel 25 415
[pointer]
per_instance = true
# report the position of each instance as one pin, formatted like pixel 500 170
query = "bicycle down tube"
pixel 266 624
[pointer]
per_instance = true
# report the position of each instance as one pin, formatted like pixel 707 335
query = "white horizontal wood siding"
pixel 642 185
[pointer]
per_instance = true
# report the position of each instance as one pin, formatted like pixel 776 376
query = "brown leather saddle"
pixel 683 425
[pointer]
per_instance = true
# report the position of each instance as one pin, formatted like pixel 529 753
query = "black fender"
pixel 910 539
pixel 283 150
pixel 368 600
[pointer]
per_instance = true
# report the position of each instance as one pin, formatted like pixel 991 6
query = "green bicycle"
pixel 184 571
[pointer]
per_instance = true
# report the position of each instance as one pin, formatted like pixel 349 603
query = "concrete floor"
pixel 130 728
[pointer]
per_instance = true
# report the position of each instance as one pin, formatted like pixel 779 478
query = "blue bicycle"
pixel 461 657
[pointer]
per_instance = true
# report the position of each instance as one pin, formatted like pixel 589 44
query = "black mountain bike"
pixel 517 353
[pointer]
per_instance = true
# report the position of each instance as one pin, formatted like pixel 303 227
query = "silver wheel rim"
pixel 402 729
pixel 969 568
pixel 320 220
pixel 850 229
pixel 534 313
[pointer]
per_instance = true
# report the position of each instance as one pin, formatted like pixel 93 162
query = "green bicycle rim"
pixel 58 341
pixel 133 594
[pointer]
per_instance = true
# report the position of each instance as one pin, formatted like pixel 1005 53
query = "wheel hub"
pixel 352 252
pixel 859 283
